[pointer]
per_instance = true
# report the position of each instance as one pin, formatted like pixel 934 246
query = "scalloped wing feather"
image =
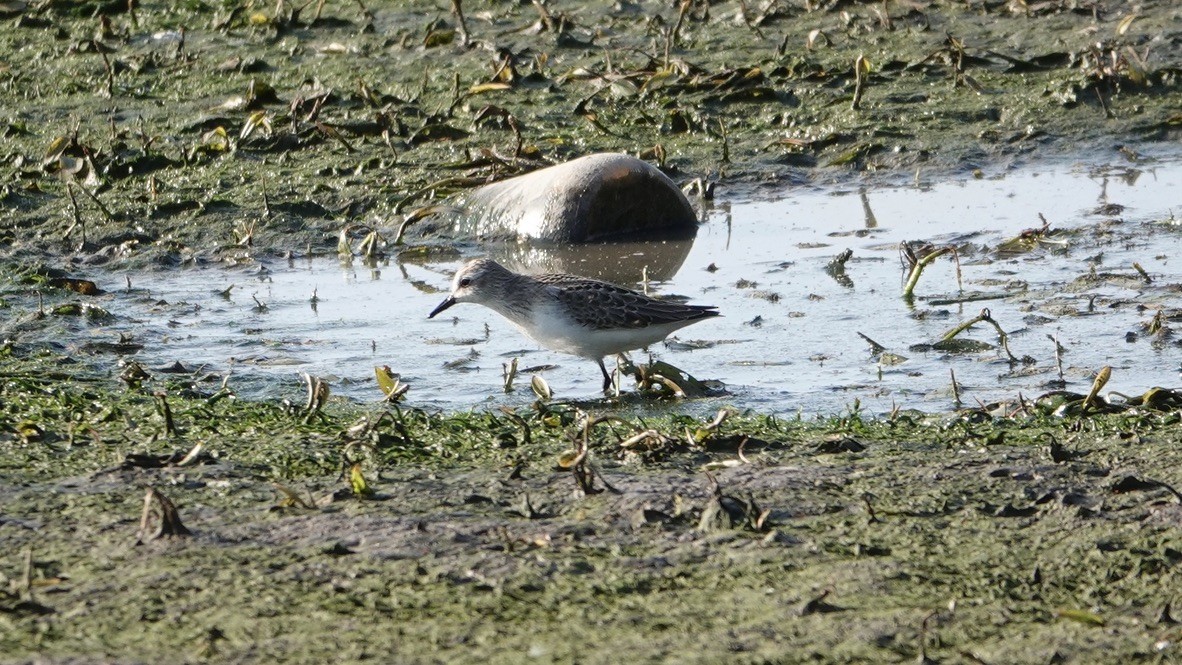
pixel 600 305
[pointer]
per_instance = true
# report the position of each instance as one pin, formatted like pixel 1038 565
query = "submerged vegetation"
pixel 152 516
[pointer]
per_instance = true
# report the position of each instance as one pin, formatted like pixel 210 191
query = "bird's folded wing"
pixel 601 305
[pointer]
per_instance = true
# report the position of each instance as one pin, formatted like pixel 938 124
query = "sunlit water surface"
pixel 789 339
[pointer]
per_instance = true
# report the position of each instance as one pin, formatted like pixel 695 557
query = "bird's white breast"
pixel 551 326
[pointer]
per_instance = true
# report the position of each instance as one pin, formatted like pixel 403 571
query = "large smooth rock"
pixel 598 197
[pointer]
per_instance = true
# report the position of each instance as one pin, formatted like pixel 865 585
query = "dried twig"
pixel 160 518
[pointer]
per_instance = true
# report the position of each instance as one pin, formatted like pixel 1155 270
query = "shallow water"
pixel 788 343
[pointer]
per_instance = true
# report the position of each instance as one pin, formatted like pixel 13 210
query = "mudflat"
pixel 149 515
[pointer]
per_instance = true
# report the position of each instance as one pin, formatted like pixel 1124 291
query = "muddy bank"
pixel 170 136
pixel 203 134
pixel 421 538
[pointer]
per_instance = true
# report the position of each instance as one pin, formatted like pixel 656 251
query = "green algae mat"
pixel 182 526
pixel 169 521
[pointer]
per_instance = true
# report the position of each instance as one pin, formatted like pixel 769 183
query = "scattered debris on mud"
pixel 1008 533
pixel 150 515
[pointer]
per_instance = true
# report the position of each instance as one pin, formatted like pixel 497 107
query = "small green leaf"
pixel 1081 616
pixel 386 379
pixel 357 482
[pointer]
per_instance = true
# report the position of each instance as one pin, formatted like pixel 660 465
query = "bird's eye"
pixel 466 281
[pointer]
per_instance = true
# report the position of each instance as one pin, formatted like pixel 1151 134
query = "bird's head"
pixel 475 281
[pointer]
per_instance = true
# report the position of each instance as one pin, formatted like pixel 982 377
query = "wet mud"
pixel 323 529
pixel 168 135
pixel 396 535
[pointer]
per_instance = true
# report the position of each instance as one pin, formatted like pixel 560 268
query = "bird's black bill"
pixel 447 302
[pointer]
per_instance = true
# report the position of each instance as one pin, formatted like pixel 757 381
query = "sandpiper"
pixel 571 314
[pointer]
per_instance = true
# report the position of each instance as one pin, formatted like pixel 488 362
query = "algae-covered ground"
pixel 393 535
pixel 194 131
pixel 160 134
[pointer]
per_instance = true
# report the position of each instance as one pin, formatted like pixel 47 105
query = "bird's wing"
pixel 601 305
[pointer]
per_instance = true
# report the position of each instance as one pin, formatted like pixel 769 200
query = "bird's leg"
pixel 607 378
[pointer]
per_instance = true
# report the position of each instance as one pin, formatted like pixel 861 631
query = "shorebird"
pixel 571 314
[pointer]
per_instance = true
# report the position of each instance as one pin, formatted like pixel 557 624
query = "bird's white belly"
pixel 551 328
